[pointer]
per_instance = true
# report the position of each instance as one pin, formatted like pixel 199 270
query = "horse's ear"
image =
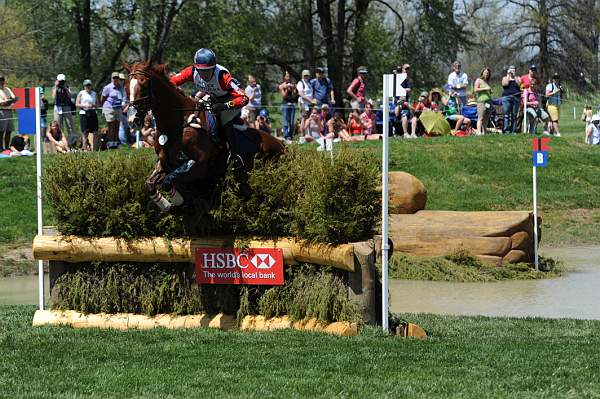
pixel 126 66
pixel 160 68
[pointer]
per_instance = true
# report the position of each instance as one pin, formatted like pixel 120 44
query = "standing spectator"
pixel 63 105
pixel 483 91
pixel 289 97
pixel 124 132
pixel 254 94
pixel 592 131
pixel 510 100
pixel 458 82
pixel 357 90
pixel 44 105
pixel 531 76
pixel 87 101
pixel 7 98
pixel 322 89
pixel 406 83
pixel 305 92
pixel 554 92
pixel 56 139
pixel 112 103
pixel 534 110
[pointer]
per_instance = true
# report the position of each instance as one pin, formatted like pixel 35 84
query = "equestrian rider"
pixel 215 80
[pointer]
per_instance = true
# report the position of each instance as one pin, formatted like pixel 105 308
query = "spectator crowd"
pixel 312 113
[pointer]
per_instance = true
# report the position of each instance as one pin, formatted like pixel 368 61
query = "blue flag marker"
pixel 540 158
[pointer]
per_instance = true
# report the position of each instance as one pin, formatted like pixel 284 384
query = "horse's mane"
pixel 160 71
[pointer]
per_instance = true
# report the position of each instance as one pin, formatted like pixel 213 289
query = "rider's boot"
pixel 234 161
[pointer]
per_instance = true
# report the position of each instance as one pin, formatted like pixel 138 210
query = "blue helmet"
pixel 205 59
pixel 264 113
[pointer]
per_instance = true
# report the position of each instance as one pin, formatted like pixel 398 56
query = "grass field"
pixel 466 357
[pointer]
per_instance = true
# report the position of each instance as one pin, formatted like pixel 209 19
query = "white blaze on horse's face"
pixel 132 113
pixel 133 83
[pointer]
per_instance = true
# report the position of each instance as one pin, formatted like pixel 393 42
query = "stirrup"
pixel 235 161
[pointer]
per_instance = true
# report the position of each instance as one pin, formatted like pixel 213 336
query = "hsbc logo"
pixel 234 266
pixel 262 261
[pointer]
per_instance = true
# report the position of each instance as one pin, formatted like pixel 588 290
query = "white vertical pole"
pixel 526 96
pixel 384 210
pixel 38 159
pixel 535 220
pixel 574 111
pixel 137 139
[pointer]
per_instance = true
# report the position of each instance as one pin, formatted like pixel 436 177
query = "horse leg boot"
pixel 168 183
pixel 154 179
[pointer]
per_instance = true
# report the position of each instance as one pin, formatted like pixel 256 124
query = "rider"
pixel 214 79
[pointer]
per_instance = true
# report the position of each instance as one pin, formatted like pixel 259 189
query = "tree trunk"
pixel 360 16
pixel 308 50
pixel 81 12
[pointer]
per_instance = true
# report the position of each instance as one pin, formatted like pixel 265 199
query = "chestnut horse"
pixel 187 152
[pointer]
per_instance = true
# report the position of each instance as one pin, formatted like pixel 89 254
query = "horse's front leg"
pixel 151 184
pixel 170 180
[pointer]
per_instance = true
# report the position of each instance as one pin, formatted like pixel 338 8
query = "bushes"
pixel 167 288
pixel 304 194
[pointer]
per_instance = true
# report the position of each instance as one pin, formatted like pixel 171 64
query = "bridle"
pixel 144 103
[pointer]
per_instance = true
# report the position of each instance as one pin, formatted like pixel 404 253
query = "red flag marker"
pixel 541 144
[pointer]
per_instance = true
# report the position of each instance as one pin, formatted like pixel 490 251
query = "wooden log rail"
pixel 76 249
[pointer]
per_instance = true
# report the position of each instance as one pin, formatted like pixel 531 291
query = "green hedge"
pixel 304 194
pixel 308 292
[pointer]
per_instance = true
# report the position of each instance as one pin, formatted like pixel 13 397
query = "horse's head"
pixel 140 91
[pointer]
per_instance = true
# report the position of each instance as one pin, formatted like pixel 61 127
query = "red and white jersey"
pixel 221 85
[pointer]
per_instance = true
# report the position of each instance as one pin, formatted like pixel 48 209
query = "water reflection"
pixel 21 290
pixel 576 295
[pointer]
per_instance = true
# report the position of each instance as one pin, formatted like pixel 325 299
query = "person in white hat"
pixel 592 132
pixel 87 102
pixel 63 105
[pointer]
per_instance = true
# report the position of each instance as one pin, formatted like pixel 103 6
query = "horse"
pixel 188 150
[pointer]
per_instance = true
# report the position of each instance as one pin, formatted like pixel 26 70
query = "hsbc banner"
pixel 253 266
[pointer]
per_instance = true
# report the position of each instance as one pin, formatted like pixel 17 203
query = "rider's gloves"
pixel 218 107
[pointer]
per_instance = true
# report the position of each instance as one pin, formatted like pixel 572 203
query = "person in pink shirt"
pixel 368 119
pixel 357 90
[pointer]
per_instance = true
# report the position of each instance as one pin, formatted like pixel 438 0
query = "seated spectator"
pixel 263 123
pixel 148 132
pixel 369 120
pixel 354 128
pixel 534 111
pixel 19 145
pixel 435 100
pixel 592 131
pixel 337 126
pixel 313 128
pixel 450 111
pixel 325 116
pixel 56 139
pixel 405 112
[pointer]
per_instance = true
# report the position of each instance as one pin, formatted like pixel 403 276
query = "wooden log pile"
pixel 499 237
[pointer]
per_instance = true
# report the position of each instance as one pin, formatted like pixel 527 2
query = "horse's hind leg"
pixel 151 184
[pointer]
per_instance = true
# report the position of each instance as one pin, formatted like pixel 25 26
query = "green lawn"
pixel 467 357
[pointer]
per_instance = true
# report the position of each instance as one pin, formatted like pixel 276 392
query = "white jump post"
pixel 535 226
pixel 38 182
pixel 526 96
pixel 392 87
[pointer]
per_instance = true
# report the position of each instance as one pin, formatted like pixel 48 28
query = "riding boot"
pixel 234 161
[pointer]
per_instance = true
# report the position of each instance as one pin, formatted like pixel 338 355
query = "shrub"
pixel 305 194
